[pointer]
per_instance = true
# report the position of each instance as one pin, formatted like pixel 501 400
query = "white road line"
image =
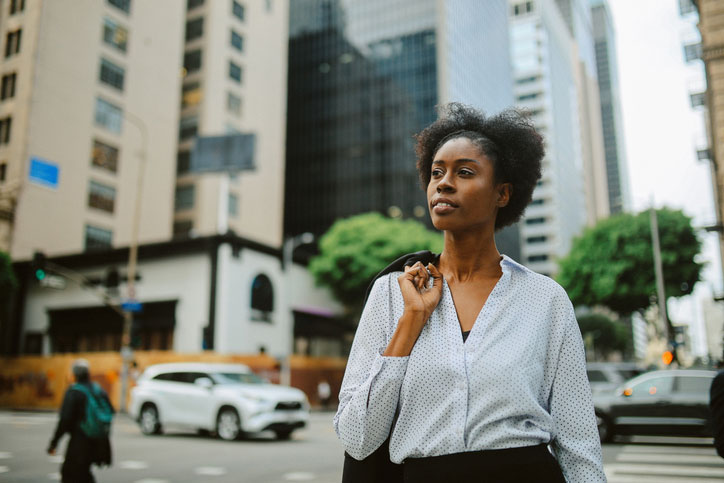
pixel 654 479
pixel 133 465
pixel 664 470
pixel 670 458
pixel 634 448
pixel 56 458
pixel 54 476
pixel 210 471
pixel 4 469
pixel 152 480
pixel 299 476
pixel 5 455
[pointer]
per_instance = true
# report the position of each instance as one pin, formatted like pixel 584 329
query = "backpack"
pixel 98 412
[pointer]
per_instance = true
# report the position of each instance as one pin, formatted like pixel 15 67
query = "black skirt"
pixel 528 464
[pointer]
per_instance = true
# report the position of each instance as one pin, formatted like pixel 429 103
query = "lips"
pixel 441 206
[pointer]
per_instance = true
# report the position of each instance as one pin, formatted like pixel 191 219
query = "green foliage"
pixel 355 249
pixel 612 263
pixel 607 335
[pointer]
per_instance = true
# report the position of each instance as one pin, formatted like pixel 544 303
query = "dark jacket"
pixel 82 451
pixel 717 412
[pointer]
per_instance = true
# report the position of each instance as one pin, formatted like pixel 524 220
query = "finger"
pixel 435 274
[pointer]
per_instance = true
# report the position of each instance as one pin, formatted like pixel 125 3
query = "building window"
pixel 237 9
pixel 237 41
pixel 8 86
pixel 184 199
pixel 12 42
pixel 3 171
pixel 97 238
pixel 191 4
pixel 124 5
pixel 101 196
pixel 692 52
pixel 698 99
pixel 703 154
pixel 527 97
pixel 194 28
pixel 190 94
pixel 112 75
pixel 686 6
pixel 105 156
pixel 233 103
pixel 235 72
pixel 192 60
pixel 16 6
pixel 114 34
pixel 538 258
pixel 233 205
pixel 537 202
pixel 536 239
pixel 182 229
pixel 5 125
pixel 262 298
pixel 183 162
pixel 528 7
pixel 188 127
pixel 108 116
pixel 535 221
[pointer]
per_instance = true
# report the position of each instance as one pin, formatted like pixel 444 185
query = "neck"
pixel 470 255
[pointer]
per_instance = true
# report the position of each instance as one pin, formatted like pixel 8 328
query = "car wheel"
pixel 228 424
pixel 605 428
pixel 283 435
pixel 149 421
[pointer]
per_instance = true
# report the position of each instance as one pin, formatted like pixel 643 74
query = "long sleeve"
pixel 576 445
pixel 370 389
pixel 717 412
pixel 69 415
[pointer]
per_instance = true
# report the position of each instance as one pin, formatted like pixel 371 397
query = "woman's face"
pixel 462 193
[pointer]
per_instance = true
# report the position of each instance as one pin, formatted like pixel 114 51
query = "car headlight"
pixel 255 398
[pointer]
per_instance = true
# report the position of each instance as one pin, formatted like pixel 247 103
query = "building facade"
pixel 619 197
pixel 234 81
pixel 83 123
pixel 363 78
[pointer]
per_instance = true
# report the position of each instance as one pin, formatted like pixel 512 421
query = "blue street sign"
pixel 44 173
pixel 132 305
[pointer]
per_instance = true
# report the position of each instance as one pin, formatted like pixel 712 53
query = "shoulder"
pixel 534 283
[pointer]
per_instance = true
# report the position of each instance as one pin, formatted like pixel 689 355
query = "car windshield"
pixel 237 377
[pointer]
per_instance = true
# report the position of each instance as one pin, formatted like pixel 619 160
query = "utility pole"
pixel 659 272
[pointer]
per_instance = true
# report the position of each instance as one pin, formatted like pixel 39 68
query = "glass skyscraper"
pixel 363 78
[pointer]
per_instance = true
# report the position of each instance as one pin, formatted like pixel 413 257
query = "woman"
pixel 472 365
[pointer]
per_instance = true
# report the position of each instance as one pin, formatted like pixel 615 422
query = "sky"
pixel 662 132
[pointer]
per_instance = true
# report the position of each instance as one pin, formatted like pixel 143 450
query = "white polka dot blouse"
pixel 519 379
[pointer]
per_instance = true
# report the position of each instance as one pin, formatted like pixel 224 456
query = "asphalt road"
pixel 313 454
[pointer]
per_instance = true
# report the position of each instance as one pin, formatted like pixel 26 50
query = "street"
pixel 313 454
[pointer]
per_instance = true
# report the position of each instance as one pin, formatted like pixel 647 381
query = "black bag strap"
pixel 377 467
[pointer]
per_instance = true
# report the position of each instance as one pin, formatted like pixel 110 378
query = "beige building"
pixel 89 97
pixel 235 63
pixel 711 26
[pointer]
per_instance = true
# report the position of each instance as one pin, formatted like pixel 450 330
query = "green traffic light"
pixel 40 274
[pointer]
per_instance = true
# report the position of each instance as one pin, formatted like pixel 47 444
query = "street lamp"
pixel 285 376
pixel 126 351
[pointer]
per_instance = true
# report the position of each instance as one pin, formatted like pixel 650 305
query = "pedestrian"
pixel 88 422
pixel 324 392
pixel 470 367
pixel 716 404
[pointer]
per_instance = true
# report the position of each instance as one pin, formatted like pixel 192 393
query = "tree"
pixel 606 335
pixel 355 249
pixel 612 263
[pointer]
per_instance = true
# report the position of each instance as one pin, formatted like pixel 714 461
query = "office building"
pixel 89 101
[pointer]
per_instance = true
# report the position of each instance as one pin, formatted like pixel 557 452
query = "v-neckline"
pixel 446 287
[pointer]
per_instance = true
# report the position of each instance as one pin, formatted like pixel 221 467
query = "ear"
pixel 505 191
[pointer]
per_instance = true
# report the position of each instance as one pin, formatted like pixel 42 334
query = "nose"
pixel 445 184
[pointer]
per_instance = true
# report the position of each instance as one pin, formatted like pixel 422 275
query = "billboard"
pixel 218 154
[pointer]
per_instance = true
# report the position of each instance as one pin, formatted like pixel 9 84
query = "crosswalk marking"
pixel 665 464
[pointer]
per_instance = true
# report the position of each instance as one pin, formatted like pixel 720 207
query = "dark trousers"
pixel 530 464
pixel 78 459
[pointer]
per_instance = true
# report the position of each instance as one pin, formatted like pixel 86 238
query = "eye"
pixel 437 172
pixel 466 172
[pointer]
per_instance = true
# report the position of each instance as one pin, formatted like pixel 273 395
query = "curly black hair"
pixel 508 139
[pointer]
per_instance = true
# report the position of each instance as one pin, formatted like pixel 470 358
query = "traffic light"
pixel 38 266
pixel 667 357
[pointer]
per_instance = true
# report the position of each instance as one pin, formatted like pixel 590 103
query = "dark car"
pixel 662 403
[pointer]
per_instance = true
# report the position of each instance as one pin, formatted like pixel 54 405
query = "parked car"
pixel 228 399
pixel 607 376
pixel 667 403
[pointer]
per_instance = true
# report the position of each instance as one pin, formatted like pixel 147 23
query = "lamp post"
pixel 285 376
pixel 126 350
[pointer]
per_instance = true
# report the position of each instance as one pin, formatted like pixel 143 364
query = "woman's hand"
pixel 418 297
pixel 420 301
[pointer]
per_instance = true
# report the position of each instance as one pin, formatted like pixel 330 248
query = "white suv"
pixel 226 398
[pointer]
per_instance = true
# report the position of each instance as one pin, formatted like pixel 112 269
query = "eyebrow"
pixel 458 161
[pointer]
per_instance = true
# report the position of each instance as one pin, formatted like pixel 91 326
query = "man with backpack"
pixel 86 414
